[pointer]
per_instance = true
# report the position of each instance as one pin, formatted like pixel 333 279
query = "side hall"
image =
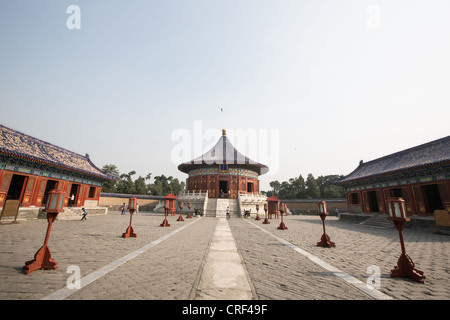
pixel 30 168
pixel 420 175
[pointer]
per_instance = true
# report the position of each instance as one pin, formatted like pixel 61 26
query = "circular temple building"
pixel 223 172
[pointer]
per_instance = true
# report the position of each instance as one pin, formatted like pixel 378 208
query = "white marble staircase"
pixel 217 207
pixel 234 208
pixel 211 206
pixel 221 208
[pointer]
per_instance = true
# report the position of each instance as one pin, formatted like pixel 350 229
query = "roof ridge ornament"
pixel 224 132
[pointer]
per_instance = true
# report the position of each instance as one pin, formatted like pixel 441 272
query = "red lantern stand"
pixel 266 220
pixel 130 231
pixel 170 205
pixel 273 203
pixel 405 266
pixel 181 209
pixel 257 215
pixel 43 257
pixel 189 213
pixel 175 209
pixel 282 210
pixel 325 239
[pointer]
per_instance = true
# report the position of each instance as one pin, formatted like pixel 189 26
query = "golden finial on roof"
pixel 224 132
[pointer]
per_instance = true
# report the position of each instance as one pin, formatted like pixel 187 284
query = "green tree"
pixel 148 186
pixel 164 185
pixel 292 189
pixel 156 188
pixel 312 188
pixel 161 185
pixel 299 188
pixel 176 186
pixel 285 190
pixel 126 184
pixel 275 186
pixel 328 190
pixel 139 186
pixel 110 186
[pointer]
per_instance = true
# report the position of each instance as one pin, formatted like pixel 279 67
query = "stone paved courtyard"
pixel 170 268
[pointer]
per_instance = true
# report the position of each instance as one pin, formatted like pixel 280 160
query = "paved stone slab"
pixel 223 276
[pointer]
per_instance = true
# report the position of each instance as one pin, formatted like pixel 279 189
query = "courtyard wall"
pixel 115 200
pixel 309 206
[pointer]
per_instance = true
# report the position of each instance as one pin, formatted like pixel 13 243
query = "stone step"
pixel 221 208
pixel 210 208
pixel 217 207
pixel 74 213
pixel 379 221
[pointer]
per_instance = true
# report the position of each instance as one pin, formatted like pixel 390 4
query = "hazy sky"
pixel 320 84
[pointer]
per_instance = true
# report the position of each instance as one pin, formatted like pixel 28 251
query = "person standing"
pixel 123 208
pixel 228 212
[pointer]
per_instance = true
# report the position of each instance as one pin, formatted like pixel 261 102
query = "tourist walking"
pixel 123 208
pixel 228 212
pixel 84 214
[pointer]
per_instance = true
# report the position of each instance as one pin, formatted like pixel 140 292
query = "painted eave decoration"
pixel 21 146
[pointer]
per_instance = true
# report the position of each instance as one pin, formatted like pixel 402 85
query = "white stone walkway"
pixel 223 276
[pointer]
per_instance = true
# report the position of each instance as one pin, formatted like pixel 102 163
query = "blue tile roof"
pixel 19 145
pixel 433 153
pixel 223 153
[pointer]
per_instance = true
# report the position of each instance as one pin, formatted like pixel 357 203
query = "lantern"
pixel 325 239
pixel 132 205
pixel 55 202
pixel 181 208
pixel 169 205
pixel 322 207
pixel 43 257
pixel 405 266
pixel 397 209
pixel 282 210
pixel 266 221
pixel 189 212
